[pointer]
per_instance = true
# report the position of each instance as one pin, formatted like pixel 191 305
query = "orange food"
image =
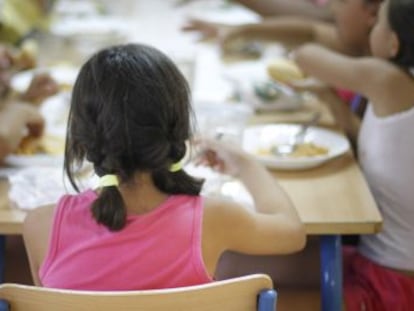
pixel 47 144
pixel 302 150
pixel 29 145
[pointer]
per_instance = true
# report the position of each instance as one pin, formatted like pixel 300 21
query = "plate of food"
pixel 319 145
pixel 257 88
pixel 46 150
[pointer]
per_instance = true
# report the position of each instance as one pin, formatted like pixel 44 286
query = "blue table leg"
pixel 331 272
pixel 2 256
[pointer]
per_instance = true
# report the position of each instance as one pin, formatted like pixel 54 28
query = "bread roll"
pixel 284 70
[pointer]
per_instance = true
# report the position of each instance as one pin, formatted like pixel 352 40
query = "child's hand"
pixel 18 120
pixel 206 29
pixel 222 157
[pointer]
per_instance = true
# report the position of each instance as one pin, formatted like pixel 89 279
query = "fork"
pixel 288 148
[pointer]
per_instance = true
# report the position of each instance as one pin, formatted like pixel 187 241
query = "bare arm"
pixel 376 79
pixel 36 233
pixel 292 7
pixel 344 117
pixel 273 227
pixel 289 30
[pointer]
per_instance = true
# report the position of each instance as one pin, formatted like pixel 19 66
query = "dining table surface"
pixel 332 199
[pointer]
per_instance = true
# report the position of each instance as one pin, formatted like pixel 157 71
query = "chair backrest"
pixel 239 294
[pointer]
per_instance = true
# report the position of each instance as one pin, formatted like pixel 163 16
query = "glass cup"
pixel 224 121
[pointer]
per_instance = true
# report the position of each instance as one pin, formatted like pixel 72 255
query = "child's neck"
pixel 141 196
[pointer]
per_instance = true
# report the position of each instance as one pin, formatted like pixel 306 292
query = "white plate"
pixel 61 74
pixel 43 160
pixel 268 135
pixel 245 76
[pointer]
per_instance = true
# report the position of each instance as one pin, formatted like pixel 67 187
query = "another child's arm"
pixel 344 117
pixel 379 80
pixel 283 7
pixel 37 228
pixel 294 30
pixel 273 227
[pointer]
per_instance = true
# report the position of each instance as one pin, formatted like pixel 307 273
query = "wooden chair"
pixel 247 293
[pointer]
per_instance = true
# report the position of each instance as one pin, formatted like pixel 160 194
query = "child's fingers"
pixel 207 30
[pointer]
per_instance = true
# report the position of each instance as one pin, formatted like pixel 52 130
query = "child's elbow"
pixel 298 237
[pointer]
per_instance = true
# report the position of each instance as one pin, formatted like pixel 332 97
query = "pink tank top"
pixel 160 249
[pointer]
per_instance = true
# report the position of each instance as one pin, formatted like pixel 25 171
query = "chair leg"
pixel 4 306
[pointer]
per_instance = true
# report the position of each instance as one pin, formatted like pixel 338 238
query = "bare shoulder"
pixel 39 218
pixel 384 71
pixel 221 215
pixel 36 234
pixel 36 230
pixel 223 210
pixel 392 88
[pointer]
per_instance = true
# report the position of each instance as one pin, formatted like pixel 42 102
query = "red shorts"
pixel 371 287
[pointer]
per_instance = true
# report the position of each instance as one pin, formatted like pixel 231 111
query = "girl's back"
pixel 158 249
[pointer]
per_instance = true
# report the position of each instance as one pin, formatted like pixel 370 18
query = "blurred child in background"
pixel 349 35
pixel 379 273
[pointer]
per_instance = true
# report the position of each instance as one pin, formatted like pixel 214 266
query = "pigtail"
pixel 109 208
pixel 177 182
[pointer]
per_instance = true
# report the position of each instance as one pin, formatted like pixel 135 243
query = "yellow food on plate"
pixel 301 151
pixel 47 144
pixel 65 87
pixel 309 150
pixel 284 70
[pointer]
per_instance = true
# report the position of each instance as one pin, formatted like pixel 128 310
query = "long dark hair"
pixel 130 112
pixel 401 20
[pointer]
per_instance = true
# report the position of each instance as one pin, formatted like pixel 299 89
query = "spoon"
pixel 288 148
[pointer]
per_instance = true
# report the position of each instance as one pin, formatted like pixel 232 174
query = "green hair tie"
pixel 177 166
pixel 108 181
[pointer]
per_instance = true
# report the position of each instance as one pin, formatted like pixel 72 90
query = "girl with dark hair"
pixel 379 273
pixel 147 226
